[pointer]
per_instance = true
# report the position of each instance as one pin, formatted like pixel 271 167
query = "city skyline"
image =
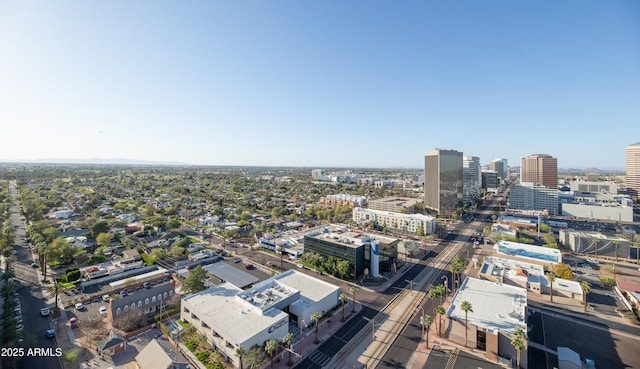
pixel 326 84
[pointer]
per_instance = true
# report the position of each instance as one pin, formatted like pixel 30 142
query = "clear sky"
pixel 319 83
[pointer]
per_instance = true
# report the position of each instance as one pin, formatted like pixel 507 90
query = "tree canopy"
pixel 194 281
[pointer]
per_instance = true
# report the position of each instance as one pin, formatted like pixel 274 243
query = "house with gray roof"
pixel 160 354
pixel 145 300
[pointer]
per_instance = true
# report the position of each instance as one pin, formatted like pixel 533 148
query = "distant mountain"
pixel 605 170
pixel 103 161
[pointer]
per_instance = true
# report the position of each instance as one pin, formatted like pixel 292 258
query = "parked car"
pixel 103 310
pixel 106 298
pixel 34 265
pixel 123 293
pixel 50 333
pixel 146 285
pixel 249 266
pixel 79 306
pixel 44 311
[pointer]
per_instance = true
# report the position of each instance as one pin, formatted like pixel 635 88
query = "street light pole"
pixel 410 285
pixel 422 323
pixel 373 327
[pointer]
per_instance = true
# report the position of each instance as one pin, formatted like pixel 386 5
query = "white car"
pixel 79 306
pixel 103 310
pixel 44 311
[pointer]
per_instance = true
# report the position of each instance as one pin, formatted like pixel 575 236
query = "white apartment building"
pixel 404 222
pixel 529 196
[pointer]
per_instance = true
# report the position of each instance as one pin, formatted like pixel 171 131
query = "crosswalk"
pixel 319 358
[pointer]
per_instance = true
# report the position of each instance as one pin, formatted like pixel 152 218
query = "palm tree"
pixel 440 311
pixel 353 290
pixel 586 288
pixel 343 298
pixel 240 351
pixel 316 318
pixel 466 307
pixel 442 292
pixel 270 347
pixel 616 243
pixel 595 244
pixel 433 294
pixel 427 320
pixel 56 288
pixel 287 340
pixel 552 278
pixel 518 342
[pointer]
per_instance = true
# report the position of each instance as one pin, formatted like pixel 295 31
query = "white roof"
pixel 496 306
pixel 221 309
pixel 311 289
pixel 531 252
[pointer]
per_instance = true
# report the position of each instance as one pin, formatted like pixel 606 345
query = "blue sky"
pixel 319 83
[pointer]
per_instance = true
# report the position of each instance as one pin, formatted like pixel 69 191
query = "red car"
pixel 249 266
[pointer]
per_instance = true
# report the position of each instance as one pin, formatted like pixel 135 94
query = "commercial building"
pixel 344 199
pixel 527 275
pixel 394 204
pixel 443 180
pixel 500 166
pixel 362 250
pixel 539 169
pixel 490 180
pixel 471 179
pixel 540 255
pixel 597 205
pixel 407 223
pixel 529 196
pixel 633 167
pixel 594 186
pixel 230 318
pixel 146 301
pixel 582 242
pixel 498 310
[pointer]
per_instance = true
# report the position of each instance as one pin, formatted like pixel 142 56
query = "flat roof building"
pixel 230 318
pixel 582 242
pixel 534 254
pixel 529 196
pixel 498 310
pixel 407 223
pixel 394 204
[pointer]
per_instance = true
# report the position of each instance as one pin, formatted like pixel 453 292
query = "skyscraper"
pixel 499 165
pixel 443 180
pixel 633 167
pixel 471 179
pixel 540 169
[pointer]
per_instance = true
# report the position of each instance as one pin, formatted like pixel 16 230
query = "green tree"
pixel 287 340
pixel 427 320
pixel 586 288
pixel 343 299
pixel 353 290
pixel 195 280
pixel 240 353
pixel 100 226
pixel 551 277
pixel 562 270
pixel 467 308
pixel 104 239
pixel 342 268
pixel 270 347
pixel 440 311
pixel 316 318
pixel 518 342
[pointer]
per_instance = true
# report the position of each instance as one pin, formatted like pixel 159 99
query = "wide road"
pixel 407 342
pixel 31 301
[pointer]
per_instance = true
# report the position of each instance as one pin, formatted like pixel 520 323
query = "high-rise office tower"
pixel 471 179
pixel 499 166
pixel 540 169
pixel 633 167
pixel 443 180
